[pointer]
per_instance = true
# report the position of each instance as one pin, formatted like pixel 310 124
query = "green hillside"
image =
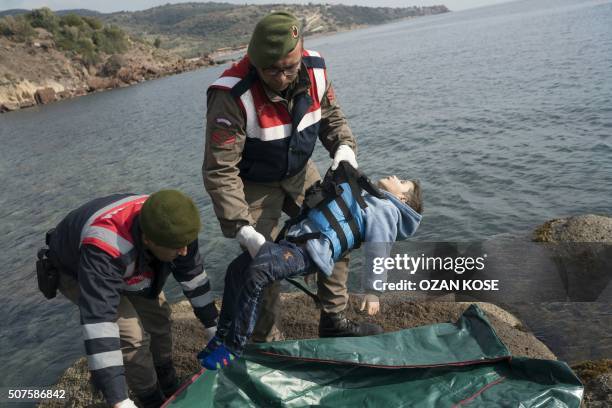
pixel 84 36
pixel 196 29
pixel 193 29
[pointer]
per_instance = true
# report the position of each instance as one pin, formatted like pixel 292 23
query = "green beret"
pixel 275 36
pixel 170 219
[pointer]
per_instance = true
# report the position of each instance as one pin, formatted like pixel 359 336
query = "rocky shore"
pixel 300 318
pixel 47 56
pixel 590 228
pixel 37 73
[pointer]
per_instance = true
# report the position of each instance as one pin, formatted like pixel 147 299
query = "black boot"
pixel 153 399
pixel 337 325
pixel 166 376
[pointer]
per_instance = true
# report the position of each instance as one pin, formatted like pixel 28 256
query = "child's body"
pixel 383 220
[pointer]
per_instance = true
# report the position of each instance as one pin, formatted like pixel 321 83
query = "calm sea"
pixel 504 113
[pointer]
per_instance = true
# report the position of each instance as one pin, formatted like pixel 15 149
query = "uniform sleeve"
pixel 190 274
pixel 334 128
pixel 100 282
pixel 225 137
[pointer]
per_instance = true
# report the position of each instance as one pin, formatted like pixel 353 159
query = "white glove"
pixel 210 332
pixel 370 304
pixel 250 239
pixel 126 403
pixel 344 153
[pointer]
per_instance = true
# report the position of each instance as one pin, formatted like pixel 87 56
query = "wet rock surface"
pixel 589 228
pixel 580 228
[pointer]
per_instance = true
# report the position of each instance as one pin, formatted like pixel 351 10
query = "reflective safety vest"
pixel 109 229
pixel 335 206
pixel 279 143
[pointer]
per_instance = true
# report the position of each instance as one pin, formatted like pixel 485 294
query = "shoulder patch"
pixel 223 121
pixel 222 137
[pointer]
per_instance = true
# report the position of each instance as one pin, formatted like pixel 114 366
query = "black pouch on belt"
pixel 47 273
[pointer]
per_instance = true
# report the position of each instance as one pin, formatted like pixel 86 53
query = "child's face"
pixel 396 186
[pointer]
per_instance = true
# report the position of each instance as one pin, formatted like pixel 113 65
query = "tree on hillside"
pixel 111 40
pixel 43 18
pixel 17 28
pixel 71 20
pixel 93 23
pixel 81 37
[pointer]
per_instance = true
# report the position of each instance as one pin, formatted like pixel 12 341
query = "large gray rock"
pixel 572 234
pixel 581 228
pixel 582 245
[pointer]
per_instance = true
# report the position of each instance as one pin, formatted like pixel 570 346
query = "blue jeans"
pixel 245 280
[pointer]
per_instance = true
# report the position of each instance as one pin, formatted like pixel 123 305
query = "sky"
pixel 106 6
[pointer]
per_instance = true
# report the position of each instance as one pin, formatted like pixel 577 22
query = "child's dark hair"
pixel 414 198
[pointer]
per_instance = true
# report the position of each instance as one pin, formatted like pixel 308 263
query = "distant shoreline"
pixel 73 80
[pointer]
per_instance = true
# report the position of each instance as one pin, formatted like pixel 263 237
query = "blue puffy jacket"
pixel 384 221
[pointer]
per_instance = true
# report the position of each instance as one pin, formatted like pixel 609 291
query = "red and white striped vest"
pixel 110 230
pixel 279 143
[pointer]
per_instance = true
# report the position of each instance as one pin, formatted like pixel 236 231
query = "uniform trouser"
pixel 267 202
pixel 145 332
